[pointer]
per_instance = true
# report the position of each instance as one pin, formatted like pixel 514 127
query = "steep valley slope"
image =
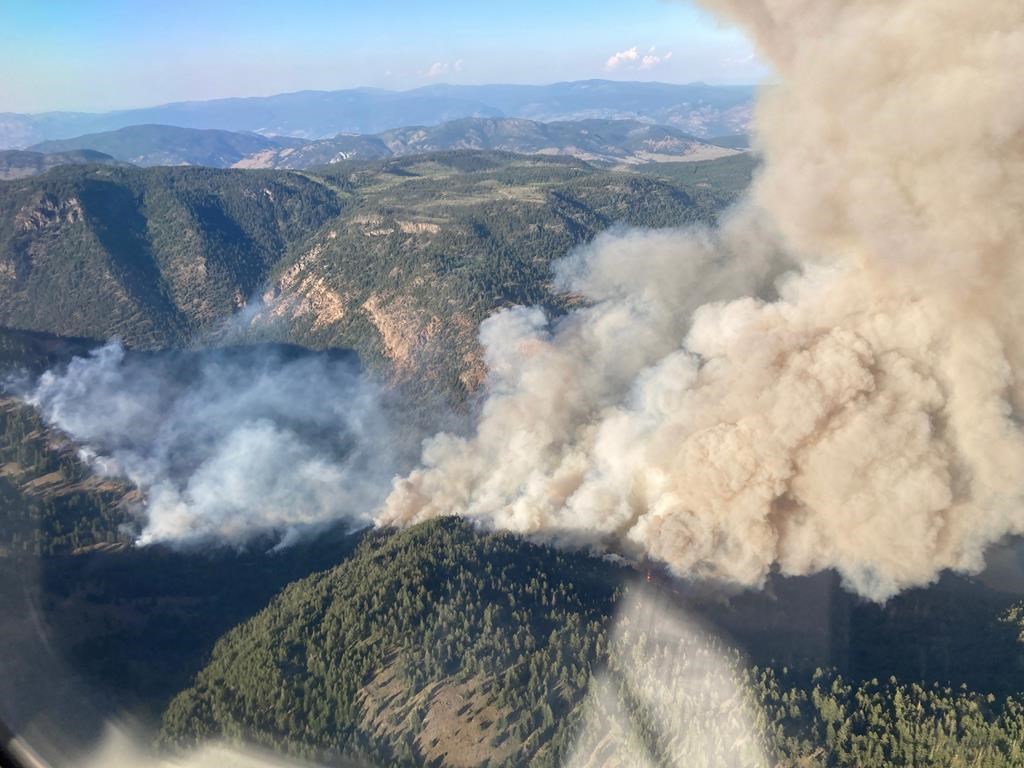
pixel 441 645
pixel 399 259
pixel 152 256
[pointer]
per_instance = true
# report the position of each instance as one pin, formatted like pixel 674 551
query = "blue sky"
pixel 96 55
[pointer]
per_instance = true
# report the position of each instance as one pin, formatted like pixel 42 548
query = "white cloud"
pixel 632 59
pixel 617 60
pixel 436 69
pixel 441 68
pixel 651 60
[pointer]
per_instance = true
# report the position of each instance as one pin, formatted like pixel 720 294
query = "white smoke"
pixel 865 418
pixel 232 443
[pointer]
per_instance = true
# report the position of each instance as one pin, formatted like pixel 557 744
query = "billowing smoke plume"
pixel 861 411
pixel 230 443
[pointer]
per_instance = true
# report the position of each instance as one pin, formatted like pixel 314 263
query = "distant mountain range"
pixel 17 163
pixel 169 145
pixel 699 109
pixel 597 141
pixel 603 142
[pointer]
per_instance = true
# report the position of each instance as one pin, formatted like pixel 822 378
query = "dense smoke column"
pixel 860 410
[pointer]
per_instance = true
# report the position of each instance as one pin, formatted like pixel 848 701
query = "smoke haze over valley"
pixel 729 401
pixel 230 444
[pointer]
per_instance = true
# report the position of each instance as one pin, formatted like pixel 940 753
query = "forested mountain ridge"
pixel 168 145
pixel 441 645
pixel 19 164
pixel 399 259
pixel 431 245
pixel 605 142
pixel 358 679
pixel 51 501
pixel 153 256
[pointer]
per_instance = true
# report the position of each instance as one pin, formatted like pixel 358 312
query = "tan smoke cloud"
pixel 861 411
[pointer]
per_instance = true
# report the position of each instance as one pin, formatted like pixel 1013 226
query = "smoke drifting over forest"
pixel 230 443
pixel 832 379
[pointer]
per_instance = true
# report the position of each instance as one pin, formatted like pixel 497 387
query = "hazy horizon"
pixel 68 57
pixel 156 105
